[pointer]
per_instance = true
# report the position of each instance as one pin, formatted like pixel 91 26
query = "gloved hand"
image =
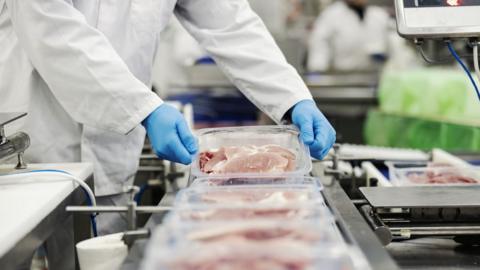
pixel 169 135
pixel 315 130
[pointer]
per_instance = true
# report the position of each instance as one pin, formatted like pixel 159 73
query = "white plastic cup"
pixel 102 253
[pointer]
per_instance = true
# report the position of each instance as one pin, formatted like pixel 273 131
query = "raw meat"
pixel 241 255
pixel 239 181
pixel 257 232
pixel 235 214
pixel 247 159
pixel 439 177
pixel 259 196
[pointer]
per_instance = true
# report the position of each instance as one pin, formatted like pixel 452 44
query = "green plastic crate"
pixel 393 130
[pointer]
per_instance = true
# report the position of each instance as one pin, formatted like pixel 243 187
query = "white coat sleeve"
pixel 80 66
pixel 242 47
pixel 319 50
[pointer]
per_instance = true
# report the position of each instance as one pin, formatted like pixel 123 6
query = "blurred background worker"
pixel 82 71
pixel 349 35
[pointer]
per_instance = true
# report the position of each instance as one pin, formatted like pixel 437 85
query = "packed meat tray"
pixel 433 174
pixel 260 150
pixel 251 206
pixel 257 245
pixel 213 181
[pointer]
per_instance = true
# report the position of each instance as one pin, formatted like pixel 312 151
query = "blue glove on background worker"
pixel 315 130
pixel 170 135
pixel 171 138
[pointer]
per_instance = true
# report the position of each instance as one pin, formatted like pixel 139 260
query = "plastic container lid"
pixel 445 176
pixel 207 213
pixel 308 232
pixel 284 136
pixel 219 212
pixel 257 195
pixel 214 181
pixel 395 165
pixel 246 255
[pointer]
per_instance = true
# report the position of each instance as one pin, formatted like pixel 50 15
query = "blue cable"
pixel 89 201
pixel 455 55
pixel 92 216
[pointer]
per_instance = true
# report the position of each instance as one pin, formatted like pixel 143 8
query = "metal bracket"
pixel 15 144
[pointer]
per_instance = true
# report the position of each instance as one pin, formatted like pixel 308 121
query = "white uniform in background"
pixel 81 69
pixel 340 40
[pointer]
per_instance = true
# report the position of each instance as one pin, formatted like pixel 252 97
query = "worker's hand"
pixel 169 135
pixel 315 130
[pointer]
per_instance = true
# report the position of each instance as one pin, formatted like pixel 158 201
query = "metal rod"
pixel 3 138
pixel 436 231
pixel 116 209
pixel 131 216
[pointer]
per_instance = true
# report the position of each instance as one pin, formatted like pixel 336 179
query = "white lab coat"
pixel 274 14
pixel 81 69
pixel 177 52
pixel 341 41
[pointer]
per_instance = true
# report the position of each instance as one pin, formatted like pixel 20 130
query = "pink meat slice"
pixel 248 159
pixel 249 196
pixel 241 255
pixel 443 177
pixel 259 162
pixel 217 157
pixel 272 148
pixel 246 213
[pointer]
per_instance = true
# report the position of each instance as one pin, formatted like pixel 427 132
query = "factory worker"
pixel 349 35
pixel 81 69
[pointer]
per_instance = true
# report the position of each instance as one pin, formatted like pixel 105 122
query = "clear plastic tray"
pixel 236 255
pixel 426 176
pixel 393 166
pixel 257 195
pixel 214 181
pixel 307 232
pixel 207 213
pixel 284 136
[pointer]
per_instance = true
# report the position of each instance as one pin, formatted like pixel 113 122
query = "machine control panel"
pixel 438 18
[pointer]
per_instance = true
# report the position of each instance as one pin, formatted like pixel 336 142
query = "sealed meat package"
pixel 437 176
pixel 252 212
pixel 259 150
pixel 241 255
pixel 289 201
pixel 245 213
pixel 306 232
pixel 213 181
pixel 241 195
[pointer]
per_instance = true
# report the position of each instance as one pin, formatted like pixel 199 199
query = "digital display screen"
pixel 439 3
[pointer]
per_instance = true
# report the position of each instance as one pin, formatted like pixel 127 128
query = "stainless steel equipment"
pixel 15 144
pixel 412 212
pixel 131 210
pixel 438 18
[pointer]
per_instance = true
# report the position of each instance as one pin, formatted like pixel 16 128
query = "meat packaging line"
pixel 397 209
pixel 401 234
pixel 363 221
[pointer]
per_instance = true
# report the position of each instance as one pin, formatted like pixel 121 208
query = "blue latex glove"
pixel 315 130
pixel 169 135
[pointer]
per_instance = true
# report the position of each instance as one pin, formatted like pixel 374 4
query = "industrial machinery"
pixel 417 227
pixel 438 18
pixel 446 20
pixel 15 144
